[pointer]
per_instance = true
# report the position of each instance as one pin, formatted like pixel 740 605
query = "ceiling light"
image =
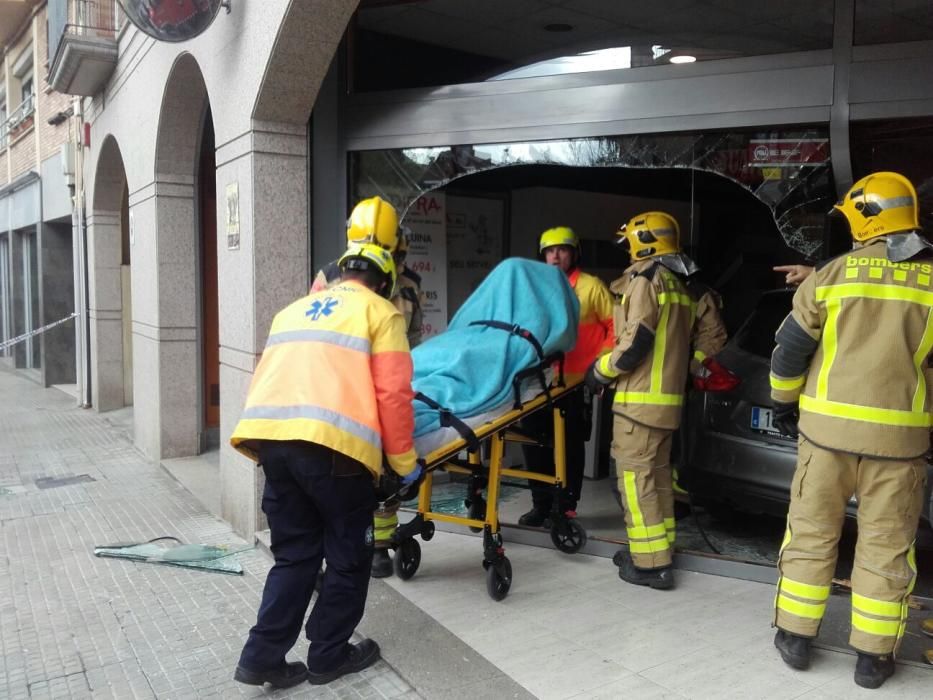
pixel 682 59
pixel 559 27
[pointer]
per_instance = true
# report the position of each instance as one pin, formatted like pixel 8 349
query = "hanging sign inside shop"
pixel 475 227
pixel 232 216
pixel 772 153
pixel 427 257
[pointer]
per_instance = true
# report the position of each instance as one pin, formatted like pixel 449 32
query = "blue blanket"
pixel 469 369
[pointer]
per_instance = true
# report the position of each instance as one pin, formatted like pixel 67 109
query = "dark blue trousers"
pixel 320 507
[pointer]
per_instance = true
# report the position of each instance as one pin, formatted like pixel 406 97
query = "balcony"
pixel 83 43
pixel 18 122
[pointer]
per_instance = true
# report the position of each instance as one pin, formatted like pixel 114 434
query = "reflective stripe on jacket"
pixel 594 334
pixel 864 386
pixel 653 324
pixel 336 371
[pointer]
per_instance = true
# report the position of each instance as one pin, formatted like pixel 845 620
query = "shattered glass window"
pixel 787 170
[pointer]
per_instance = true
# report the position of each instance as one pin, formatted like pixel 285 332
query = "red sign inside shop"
pixel 767 153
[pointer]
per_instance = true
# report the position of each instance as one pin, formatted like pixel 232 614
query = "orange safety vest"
pixel 595 332
pixel 336 371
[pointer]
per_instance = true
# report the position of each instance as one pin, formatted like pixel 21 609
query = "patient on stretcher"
pixel 523 310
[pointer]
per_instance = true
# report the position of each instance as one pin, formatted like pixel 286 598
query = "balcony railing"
pixel 17 119
pixel 82 42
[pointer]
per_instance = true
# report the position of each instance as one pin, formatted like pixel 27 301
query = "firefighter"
pixel 330 399
pixel 653 326
pixel 375 221
pixel 852 363
pixel 560 247
pixel 407 299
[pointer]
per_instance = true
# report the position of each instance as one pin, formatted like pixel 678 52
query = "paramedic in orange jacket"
pixel 560 247
pixel 330 397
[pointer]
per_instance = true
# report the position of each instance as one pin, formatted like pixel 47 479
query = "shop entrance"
pixel 210 343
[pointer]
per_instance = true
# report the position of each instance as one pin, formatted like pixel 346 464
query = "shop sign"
pixel 771 153
pixel 427 257
pixel 232 216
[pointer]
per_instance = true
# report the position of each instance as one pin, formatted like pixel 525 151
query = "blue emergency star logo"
pixel 322 308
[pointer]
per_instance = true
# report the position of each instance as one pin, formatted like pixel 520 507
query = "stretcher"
pixel 489 438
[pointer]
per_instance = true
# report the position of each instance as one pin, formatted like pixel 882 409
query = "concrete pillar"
pixel 58 349
pixel 268 165
pixel 105 309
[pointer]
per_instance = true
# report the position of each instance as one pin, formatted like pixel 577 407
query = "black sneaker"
pixel 288 675
pixel 795 650
pixel 872 671
pixel 362 655
pixel 382 564
pixel 660 579
pixel 538 516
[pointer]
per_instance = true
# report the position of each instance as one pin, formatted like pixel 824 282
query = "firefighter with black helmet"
pixel 852 367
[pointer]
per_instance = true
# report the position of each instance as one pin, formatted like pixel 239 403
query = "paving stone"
pixel 76 626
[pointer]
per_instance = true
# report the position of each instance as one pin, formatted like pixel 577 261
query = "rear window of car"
pixel 757 333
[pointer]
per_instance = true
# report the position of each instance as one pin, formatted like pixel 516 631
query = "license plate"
pixel 761 420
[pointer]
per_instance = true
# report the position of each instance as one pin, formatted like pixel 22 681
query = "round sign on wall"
pixel 171 20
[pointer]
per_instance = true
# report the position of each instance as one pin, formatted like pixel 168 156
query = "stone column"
pixel 105 308
pixel 267 271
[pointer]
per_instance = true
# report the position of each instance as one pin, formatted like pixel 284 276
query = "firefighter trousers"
pixel 385 521
pixel 889 494
pixel 643 468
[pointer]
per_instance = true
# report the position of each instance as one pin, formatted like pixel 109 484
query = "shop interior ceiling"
pixel 514 31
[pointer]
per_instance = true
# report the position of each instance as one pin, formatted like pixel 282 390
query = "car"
pixel 733 454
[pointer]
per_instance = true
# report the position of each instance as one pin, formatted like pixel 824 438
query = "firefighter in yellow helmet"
pixel 653 328
pixel 559 246
pixel 375 221
pixel 852 365
pixel 330 403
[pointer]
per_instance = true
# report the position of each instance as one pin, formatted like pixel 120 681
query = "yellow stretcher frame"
pixel 566 533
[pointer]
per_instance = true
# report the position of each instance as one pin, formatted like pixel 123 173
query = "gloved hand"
pixel 594 381
pixel 785 418
pixel 415 474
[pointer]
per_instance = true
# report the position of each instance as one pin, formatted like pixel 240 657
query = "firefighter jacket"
pixel 709 331
pixel 855 351
pixel 653 324
pixel 407 299
pixel 336 371
pixel 594 334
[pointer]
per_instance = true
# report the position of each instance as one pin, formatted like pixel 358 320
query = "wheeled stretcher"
pixel 490 437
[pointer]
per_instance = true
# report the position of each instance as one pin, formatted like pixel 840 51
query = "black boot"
pixel 872 671
pixel 795 650
pixel 382 564
pixel 360 656
pixel 285 676
pixel 477 510
pixel 660 579
pixel 538 516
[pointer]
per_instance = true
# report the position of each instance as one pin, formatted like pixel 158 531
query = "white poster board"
pixel 474 244
pixel 427 257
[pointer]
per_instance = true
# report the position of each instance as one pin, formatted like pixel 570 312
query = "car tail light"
pixel 716 378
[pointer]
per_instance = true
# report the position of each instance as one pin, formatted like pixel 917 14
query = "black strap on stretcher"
pixel 537 371
pixel 449 420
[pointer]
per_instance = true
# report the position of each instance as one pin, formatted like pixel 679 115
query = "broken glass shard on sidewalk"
pixel 219 558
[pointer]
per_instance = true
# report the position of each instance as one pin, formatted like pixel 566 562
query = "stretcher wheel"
pixel 499 579
pixel 427 531
pixel 407 559
pixel 568 535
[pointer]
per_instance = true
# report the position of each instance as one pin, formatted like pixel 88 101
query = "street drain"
pixel 54 482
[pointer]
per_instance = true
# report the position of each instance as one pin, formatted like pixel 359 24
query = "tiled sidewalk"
pixel 75 626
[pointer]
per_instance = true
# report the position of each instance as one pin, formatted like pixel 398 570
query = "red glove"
pixel 715 377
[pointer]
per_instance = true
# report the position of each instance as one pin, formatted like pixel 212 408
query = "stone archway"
pixel 108 292
pixel 167 418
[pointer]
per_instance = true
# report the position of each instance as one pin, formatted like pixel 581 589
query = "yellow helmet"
pixel 559 235
pixel 375 221
pixel 651 234
pixel 879 204
pixel 365 256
